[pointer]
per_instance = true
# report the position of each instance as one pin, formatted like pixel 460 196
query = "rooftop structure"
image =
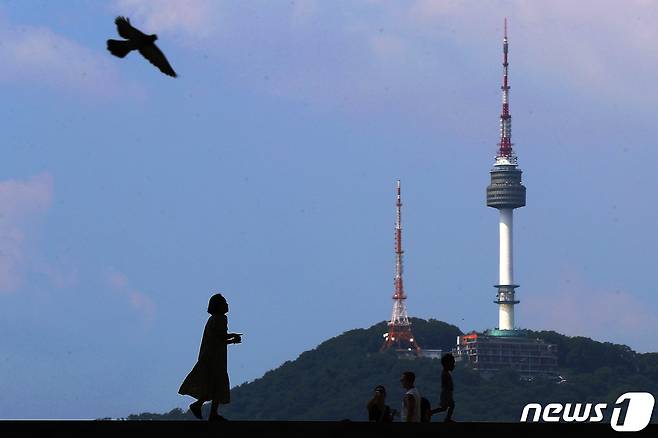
pixel 495 350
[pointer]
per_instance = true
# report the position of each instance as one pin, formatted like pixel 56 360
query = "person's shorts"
pixel 446 400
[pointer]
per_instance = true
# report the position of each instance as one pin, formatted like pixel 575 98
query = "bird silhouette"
pixel 137 40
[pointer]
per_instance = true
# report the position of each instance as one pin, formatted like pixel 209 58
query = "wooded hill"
pixel 335 380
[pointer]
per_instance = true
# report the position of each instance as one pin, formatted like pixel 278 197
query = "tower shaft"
pixel 506 270
pixel 505 230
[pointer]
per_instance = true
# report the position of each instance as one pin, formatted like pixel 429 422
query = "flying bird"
pixel 137 40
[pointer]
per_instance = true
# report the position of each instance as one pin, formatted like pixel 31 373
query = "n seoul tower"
pixel 506 193
pixel 507 347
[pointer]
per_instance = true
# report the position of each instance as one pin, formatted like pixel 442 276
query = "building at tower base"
pixel 497 350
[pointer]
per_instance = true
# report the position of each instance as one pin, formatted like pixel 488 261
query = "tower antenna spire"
pixel 505 152
pixel 399 327
pixel 399 288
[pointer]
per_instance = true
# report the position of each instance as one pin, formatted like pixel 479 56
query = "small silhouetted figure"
pixel 378 410
pixel 137 40
pixel 411 400
pixel 208 380
pixel 447 402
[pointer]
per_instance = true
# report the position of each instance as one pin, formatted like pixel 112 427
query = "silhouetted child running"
pixel 208 380
pixel 447 402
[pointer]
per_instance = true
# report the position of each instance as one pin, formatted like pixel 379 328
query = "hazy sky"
pixel 267 171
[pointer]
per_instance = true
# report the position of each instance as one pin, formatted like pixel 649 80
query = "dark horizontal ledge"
pixel 306 429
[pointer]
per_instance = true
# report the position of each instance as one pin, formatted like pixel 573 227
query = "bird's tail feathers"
pixel 119 48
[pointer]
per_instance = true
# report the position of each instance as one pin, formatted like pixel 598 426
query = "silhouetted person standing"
pixel 411 400
pixel 208 380
pixel 447 402
pixel 378 410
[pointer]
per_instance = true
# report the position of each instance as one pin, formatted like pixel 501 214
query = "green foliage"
pixel 174 414
pixel 335 380
pixel 585 355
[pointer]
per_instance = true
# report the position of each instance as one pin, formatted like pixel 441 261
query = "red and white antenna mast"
pixel 399 328
pixel 505 152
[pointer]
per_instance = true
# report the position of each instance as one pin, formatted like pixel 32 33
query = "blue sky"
pixel 267 171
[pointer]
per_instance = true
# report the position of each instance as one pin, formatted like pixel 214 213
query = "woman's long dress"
pixel 208 380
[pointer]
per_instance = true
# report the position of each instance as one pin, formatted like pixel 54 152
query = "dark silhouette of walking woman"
pixel 208 380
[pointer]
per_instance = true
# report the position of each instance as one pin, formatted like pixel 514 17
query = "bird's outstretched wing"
pixel 157 58
pixel 126 30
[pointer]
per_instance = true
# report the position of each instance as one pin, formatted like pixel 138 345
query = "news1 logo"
pixel 638 412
